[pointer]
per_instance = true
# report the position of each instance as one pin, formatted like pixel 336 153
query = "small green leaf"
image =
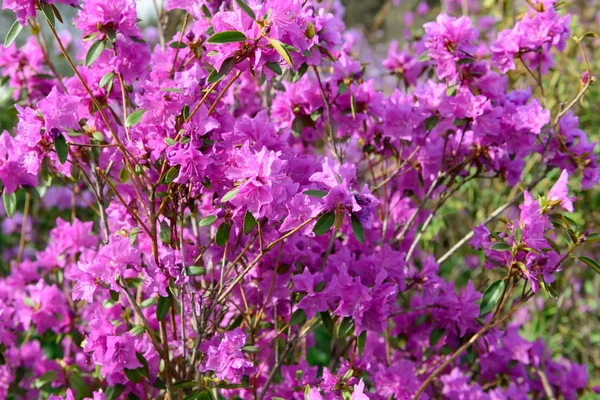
pixel 250 349
pixel 138 330
pixel 172 174
pixel 186 384
pixel 207 221
pixel 297 75
pixel 431 122
pixel 297 127
pixel 172 90
pixel 249 222
pixel 177 44
pixel 591 263
pixel 362 340
pixel 169 141
pixel 275 67
pixel 491 297
pixel 113 392
pixel 298 317
pixel 227 37
pixel 230 195
pixel 62 148
pixel 327 321
pixel 246 9
pixel 500 247
pixel 282 50
pixel 163 306
pixel 133 375
pixel 436 335
pixel 342 87
pixel 94 52
pixel 353 105
pixel 357 228
pixel 196 270
pixel 463 61
pixel 324 223
pixel 134 118
pixel 222 234
pixel 424 57
pixel 310 31
pixel 316 193
pixel 345 327
pixel 12 34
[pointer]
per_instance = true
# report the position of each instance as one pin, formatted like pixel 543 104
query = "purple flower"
pixel 108 17
pixel 558 194
pixel 226 358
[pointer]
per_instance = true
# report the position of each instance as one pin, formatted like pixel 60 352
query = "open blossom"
pixel 263 182
pixel 108 18
pixel 541 31
pixel 226 358
pixel 448 40
pixel 559 192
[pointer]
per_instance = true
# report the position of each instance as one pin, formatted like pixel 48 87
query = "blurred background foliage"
pixel 571 323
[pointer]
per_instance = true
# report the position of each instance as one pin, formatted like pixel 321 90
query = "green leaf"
pixel 491 297
pixel 196 270
pixel 275 67
pixel 138 330
pixel 186 384
pixel 324 224
pixel 249 222
pixel 463 61
pixel 282 50
pixel 436 335
pixel 500 247
pixel 431 122
pixel 163 306
pixel 94 52
pixel 353 105
pixel 172 90
pixel 172 173
pixel 230 195
pixel 310 30
pixel 246 9
pixel 345 327
pixel 250 349
pixel 357 228
pixel 48 12
pixel 113 392
pixel 518 234
pixel 424 57
pixel 223 234
pixel 296 75
pixel 327 321
pixel 316 193
pixel 227 37
pixel 62 148
pixel 134 118
pixel 362 340
pixel 207 221
pixel 593 237
pixel 12 34
pixel 169 141
pixel 297 126
pixel 133 375
pixel 342 87
pixel 175 45
pixel 298 317
pixel 591 263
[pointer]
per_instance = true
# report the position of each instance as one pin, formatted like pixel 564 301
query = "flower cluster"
pixel 236 209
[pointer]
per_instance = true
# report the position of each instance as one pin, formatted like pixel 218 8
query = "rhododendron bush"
pixel 235 205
